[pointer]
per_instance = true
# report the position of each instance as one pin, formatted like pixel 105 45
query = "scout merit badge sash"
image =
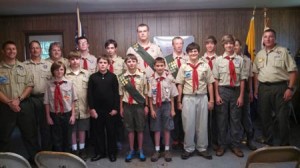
pixel 125 81
pixel 144 54
pixel 173 68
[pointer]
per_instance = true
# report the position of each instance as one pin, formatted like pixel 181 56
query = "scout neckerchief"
pixel 111 66
pixel 158 91
pixel 85 64
pixel 210 61
pixel 58 98
pixel 144 54
pixel 173 66
pixel 133 92
pixel 232 71
pixel 195 76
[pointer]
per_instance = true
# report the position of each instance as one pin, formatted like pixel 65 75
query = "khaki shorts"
pixel 134 117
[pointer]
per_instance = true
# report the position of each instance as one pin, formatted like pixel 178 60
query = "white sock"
pixel 74 147
pixel 157 148
pixel 167 148
pixel 81 146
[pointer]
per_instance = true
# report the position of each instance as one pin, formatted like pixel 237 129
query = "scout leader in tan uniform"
pixel 16 84
pixel 80 78
pixel 248 96
pixel 55 53
pixel 88 61
pixel 229 91
pixel 144 50
pixel 174 61
pixel 194 80
pixel 117 65
pixel 275 74
pixel 41 75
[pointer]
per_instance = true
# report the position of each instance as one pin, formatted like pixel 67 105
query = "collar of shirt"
pixel 156 76
pixel 233 56
pixel 180 56
pixel 17 64
pixel 199 61
pixel 88 56
pixel 137 73
pixel 30 61
pixel 148 45
pixel 63 79
pixel 273 49
pixel 70 71
pixel 210 56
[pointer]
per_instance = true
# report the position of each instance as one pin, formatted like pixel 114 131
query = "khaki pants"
pixel 194 120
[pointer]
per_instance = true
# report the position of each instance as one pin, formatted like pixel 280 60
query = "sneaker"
pixel 155 156
pixel 168 156
pixel 142 156
pixel 205 154
pixel 185 155
pixel 129 156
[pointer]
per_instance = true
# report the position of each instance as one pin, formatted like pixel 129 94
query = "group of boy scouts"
pixel 195 101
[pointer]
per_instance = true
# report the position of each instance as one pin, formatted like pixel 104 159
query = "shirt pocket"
pixel 84 83
pixel 166 89
pixel 223 68
pixel 21 75
pixel 66 91
pixel 46 74
pixel 278 62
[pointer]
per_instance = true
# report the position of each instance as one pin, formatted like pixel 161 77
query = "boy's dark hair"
pixel 104 57
pixel 228 38
pixel 159 60
pixel 130 56
pixel 110 41
pixel 34 41
pixel 239 41
pixel 271 30
pixel 80 38
pixel 211 39
pixel 7 43
pixel 192 46
pixel 142 25
pixel 56 65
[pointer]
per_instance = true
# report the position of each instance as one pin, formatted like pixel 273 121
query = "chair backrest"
pixel 49 159
pixel 8 159
pixel 275 154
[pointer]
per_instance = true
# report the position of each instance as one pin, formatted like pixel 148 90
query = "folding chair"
pixel 275 154
pixel 49 159
pixel 9 159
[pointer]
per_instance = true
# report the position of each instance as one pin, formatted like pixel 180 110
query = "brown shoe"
pixel 237 152
pixel 220 151
pixel 168 156
pixel 155 156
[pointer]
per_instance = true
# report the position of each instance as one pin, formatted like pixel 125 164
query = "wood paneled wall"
pixel 122 26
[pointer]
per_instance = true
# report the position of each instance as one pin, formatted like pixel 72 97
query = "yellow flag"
pixel 250 41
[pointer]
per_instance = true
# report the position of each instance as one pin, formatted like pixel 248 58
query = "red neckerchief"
pixel 232 71
pixel 58 99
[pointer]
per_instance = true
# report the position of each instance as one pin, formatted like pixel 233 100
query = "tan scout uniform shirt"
pixel 80 82
pixel 274 66
pixel 118 64
pixel 168 87
pixel 41 74
pixel 140 84
pixel 63 60
pixel 204 57
pixel 185 77
pixel 68 93
pixel 183 58
pixel 14 79
pixel 222 73
pixel 154 51
pixel 92 63
pixel 247 66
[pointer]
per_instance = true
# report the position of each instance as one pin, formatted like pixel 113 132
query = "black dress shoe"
pixel 97 157
pixel 112 158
